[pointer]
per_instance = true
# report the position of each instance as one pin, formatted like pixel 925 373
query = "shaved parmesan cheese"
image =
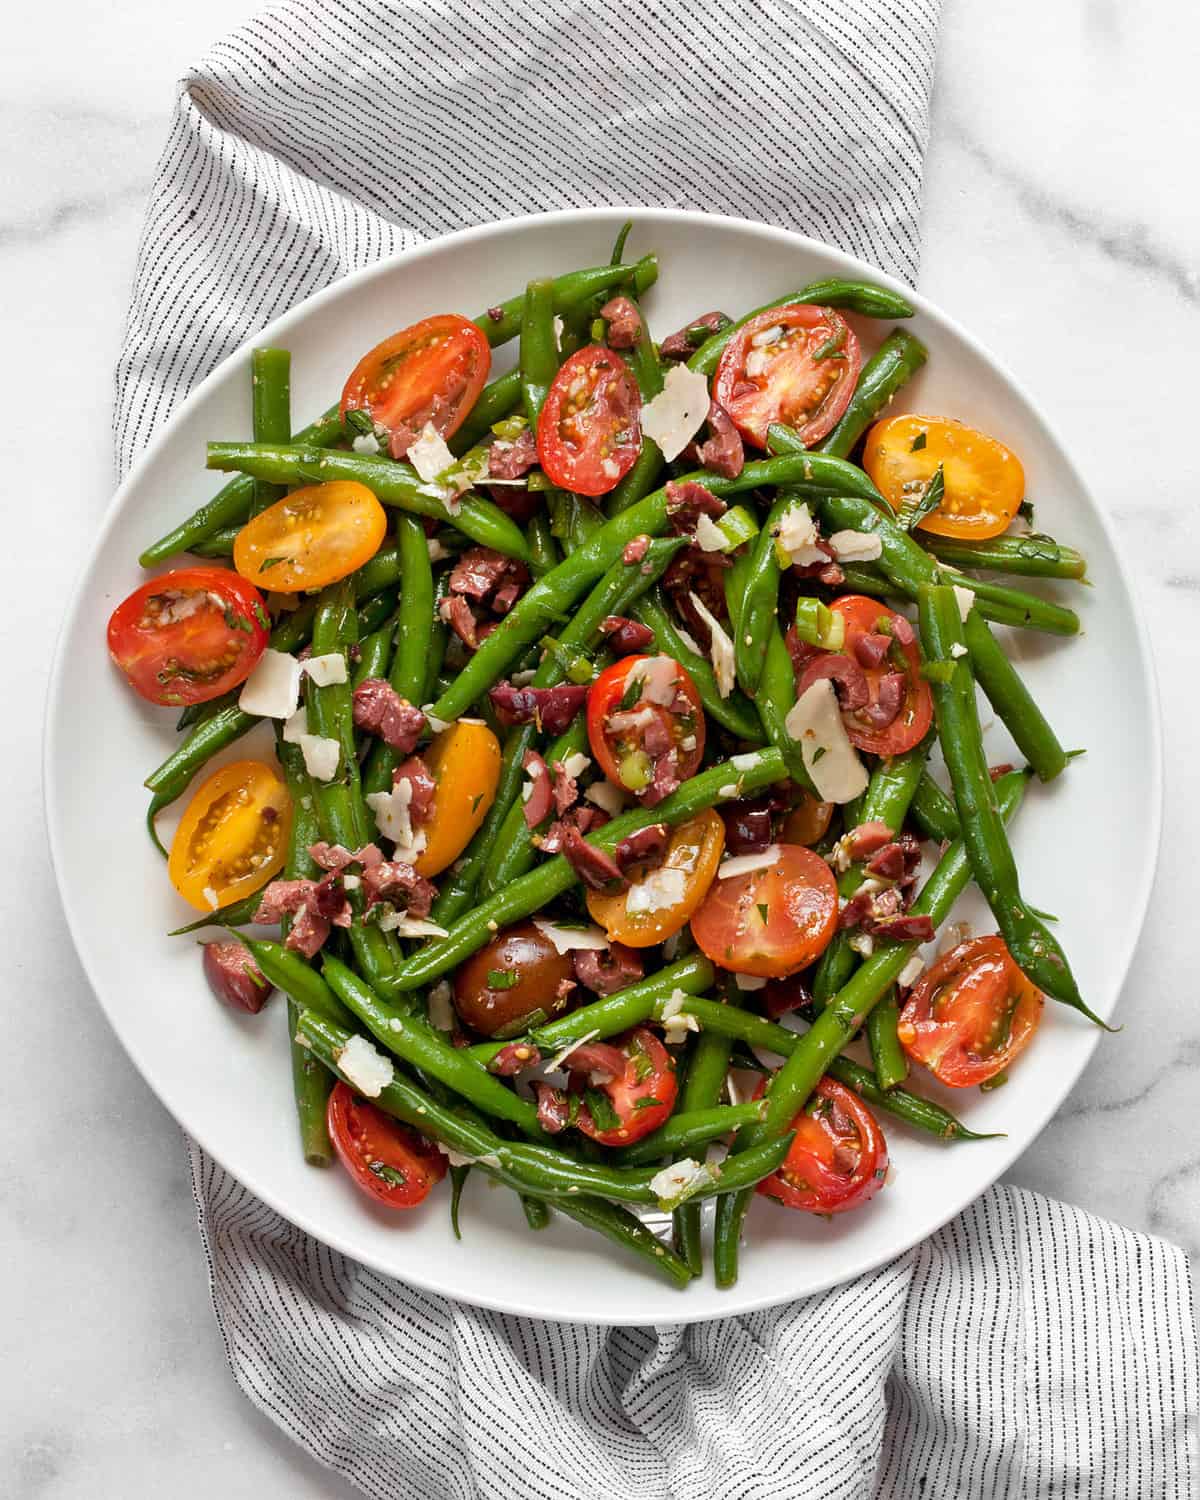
pixel 856 546
pixel 966 598
pixel 441 1012
pixel 862 943
pixel 559 1058
pixel 680 1181
pixel 437 725
pixel 744 762
pixel 365 1067
pixel 957 649
pixel 766 336
pixel 321 756
pixel 558 332
pixel 709 535
pixel 661 888
pixel 351 882
pixel 750 981
pixel 676 1029
pixel 435 549
pixel 673 1004
pixel 660 678
pixel 722 648
pixel 756 363
pixel 815 723
pixel 414 927
pixel 677 413
pixel 365 442
pixel 394 820
pixel 688 640
pixel 211 897
pixel 606 796
pixel 454 1158
pixel 327 669
pixel 911 972
pixel 272 689
pixel 797 537
pixel 745 864
pixel 575 765
pixel 566 938
pixel 429 454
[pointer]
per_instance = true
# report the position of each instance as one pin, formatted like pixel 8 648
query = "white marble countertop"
pixel 1060 225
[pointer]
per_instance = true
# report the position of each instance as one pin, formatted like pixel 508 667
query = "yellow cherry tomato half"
pixel 464 762
pixel 311 537
pixel 233 837
pixel 984 480
pixel 662 901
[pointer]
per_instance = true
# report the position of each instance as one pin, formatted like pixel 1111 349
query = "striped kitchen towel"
pixel 1026 1350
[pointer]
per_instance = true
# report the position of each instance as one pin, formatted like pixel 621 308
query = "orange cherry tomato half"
pixel 838 1159
pixel 189 635
pixel 640 710
pixel 642 1097
pixel 431 372
pixel 464 761
pixel 863 617
pixel 803 376
pixel 233 836
pixel 311 537
pixel 692 857
pixel 970 1014
pixel 984 480
pixel 771 921
pixel 590 433
pixel 389 1161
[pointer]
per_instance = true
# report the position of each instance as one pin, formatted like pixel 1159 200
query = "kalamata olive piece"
pixel 515 982
pixel 234 977
pixel 808 822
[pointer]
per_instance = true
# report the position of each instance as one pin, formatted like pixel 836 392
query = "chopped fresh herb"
pixel 359 421
pixel 475 803
pixel 647 1103
pixel 818 753
pixel 234 621
pixel 643 1063
pixel 919 442
pixel 997 1082
pixel 633 691
pixel 261 616
pixel 502 979
pixel 391 1175
pixel 832 347
pixel 599 1106
pixel 1025 510
pixel 270 562
pixel 917 507
pixel 764 912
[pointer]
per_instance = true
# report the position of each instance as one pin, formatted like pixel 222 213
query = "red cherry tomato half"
pixel 590 433
pixel 803 376
pixel 970 1014
pixel 431 372
pixel 390 1162
pixel 771 921
pixel 641 710
pixel 864 617
pixel 839 1156
pixel 189 635
pixel 642 1098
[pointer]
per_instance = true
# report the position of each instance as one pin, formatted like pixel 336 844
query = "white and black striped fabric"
pixel 1027 1350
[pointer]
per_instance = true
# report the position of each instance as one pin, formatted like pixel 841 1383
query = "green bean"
pixel 934 812
pixel 574 519
pixel 288 972
pixel 1033 947
pixel 776 692
pixel 997 602
pixel 627 1230
pixel 231 505
pixel 708 1067
pixel 543 548
pixel 856 296
pixel 756 769
pixel 374 654
pixel 553 595
pixel 392 483
pixel 539 352
pixel 643 476
pixel 157 802
pixel 411 661
pixel 892 365
pixel 1012 700
pixel 889 795
pixel 837 1024
pixel 618 249
pixel 1032 556
pixel 736 712
pixel 569 290
pixel 413 1040
pixel 887 1055
pixel 220 543
pixel 760 599
pixel 496 402
pixel 271 404
pixel 233 915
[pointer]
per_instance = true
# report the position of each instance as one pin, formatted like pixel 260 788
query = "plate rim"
pixel 1152 770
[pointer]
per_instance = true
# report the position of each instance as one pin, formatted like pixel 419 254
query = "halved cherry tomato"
pixel 464 761
pixel 970 1014
pixel 311 537
pixel 640 710
pixel 232 837
pixel 431 372
pixel 389 1161
pixel 839 1158
pixel 590 433
pixel 863 617
pixel 803 376
pixel 694 852
pixel 984 480
pixel 189 635
pixel 516 981
pixel 643 1097
pixel 808 822
pixel 773 920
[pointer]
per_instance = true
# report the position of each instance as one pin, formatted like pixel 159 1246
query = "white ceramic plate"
pixel 1086 846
